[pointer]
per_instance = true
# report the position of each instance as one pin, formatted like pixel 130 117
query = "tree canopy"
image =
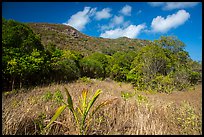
pixel 163 65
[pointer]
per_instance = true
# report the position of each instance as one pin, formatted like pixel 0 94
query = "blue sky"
pixel 140 20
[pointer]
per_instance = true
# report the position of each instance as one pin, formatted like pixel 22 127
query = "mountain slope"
pixel 66 37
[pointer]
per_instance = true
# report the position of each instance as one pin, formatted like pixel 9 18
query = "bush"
pixel 63 66
pixel 162 84
pixel 91 68
pixel 194 77
pixel 120 65
pixel 94 65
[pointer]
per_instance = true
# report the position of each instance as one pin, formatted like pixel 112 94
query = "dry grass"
pixel 25 112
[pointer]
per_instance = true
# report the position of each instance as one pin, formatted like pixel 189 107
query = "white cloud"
pixel 160 24
pixel 126 10
pixel 131 31
pixel 173 5
pixel 156 4
pixel 118 20
pixel 179 5
pixel 81 18
pixel 126 24
pixel 105 27
pixel 103 14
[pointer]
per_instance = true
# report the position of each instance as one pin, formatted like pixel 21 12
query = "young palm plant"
pixel 81 112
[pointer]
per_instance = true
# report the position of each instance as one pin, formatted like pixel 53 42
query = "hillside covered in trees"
pixel 36 54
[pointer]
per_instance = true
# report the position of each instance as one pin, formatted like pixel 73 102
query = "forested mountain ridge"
pixel 66 37
pixel 44 53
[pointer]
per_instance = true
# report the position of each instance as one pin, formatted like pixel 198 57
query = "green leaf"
pixel 103 104
pixel 93 99
pixel 91 102
pixel 57 113
pixel 84 96
pixel 70 105
pixel 69 100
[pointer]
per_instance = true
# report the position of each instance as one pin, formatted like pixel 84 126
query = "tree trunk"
pixel 20 80
pixel 13 82
pixel 20 84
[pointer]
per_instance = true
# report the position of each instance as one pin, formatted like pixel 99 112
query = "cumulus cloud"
pixel 126 23
pixel 131 31
pixel 116 21
pixel 173 5
pixel 160 24
pixel 126 10
pixel 81 18
pixel 179 5
pixel 103 14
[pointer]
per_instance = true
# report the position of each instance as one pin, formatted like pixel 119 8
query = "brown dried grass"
pixel 155 117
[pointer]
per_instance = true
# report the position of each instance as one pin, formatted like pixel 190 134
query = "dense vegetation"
pixel 162 65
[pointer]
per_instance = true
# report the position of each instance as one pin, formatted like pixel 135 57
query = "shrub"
pixel 91 68
pixel 126 95
pixel 58 96
pixel 141 99
pixel 63 66
pixel 187 119
pixel 162 84
pixel 47 96
pixel 194 77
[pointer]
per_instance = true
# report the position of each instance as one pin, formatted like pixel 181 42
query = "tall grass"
pixel 132 115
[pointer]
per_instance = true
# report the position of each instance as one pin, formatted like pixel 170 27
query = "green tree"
pixel 91 68
pixel 150 62
pixel 94 65
pixel 21 52
pixel 63 65
pixel 121 63
pixel 170 42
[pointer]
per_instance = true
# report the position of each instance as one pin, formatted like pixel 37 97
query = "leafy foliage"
pixel 120 65
pixel 63 65
pixel 187 118
pixel 82 111
pixel 126 95
pixel 22 52
pixel 162 65
pixel 94 65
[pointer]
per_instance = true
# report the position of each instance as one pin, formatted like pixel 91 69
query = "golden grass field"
pixel 135 113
